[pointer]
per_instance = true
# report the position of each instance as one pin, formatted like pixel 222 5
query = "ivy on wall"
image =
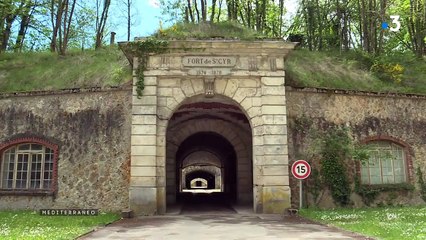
pixel 369 193
pixel 333 155
pixel 334 152
pixel 142 50
pixel 421 183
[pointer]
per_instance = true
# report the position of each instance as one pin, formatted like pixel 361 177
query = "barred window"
pixel 386 165
pixel 27 167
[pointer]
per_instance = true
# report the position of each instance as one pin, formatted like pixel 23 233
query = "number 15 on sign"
pixel 300 170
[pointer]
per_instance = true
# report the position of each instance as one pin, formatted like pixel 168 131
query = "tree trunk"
pixel 203 11
pixel 26 16
pixel 129 18
pixel 191 14
pixel 56 22
pixel 102 23
pixel 213 11
pixel 281 18
pixel 197 11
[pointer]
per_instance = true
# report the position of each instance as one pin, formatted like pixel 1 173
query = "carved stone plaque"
pixel 209 61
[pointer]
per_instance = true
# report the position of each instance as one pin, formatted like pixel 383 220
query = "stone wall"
pixel 92 131
pixel 401 118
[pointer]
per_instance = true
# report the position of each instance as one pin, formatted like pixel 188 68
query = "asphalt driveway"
pixel 221 226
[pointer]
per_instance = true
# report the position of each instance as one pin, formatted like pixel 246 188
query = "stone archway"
pixel 237 134
pixel 252 77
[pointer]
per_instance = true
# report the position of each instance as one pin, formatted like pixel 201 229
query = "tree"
pixel 101 19
pixel 417 26
pixel 10 9
pixel 25 16
pixel 126 8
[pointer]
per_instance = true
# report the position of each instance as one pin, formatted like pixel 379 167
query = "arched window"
pixel 28 167
pixel 387 164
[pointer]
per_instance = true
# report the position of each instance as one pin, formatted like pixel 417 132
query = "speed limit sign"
pixel 301 169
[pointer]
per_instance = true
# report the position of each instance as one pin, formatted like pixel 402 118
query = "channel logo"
pixel 395 24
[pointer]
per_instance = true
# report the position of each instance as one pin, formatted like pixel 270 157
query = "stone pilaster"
pixel 271 152
pixel 143 194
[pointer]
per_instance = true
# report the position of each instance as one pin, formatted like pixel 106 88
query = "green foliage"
pixel 30 225
pixel 381 223
pixel 388 71
pixel 354 70
pixel 222 30
pixel 335 151
pixel 48 71
pixel 369 193
pixel 421 183
pixel 316 184
pixel 142 49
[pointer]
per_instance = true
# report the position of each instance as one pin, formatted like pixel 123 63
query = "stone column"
pixel 272 155
pixel 143 193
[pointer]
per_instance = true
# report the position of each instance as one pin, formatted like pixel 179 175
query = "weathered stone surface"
pixel 165 92
pixel 150 81
pixel 94 146
pixel 273 90
pixel 279 110
pixel 231 87
pixel 275 170
pixel 144 150
pixel 187 87
pixel 273 81
pixel 144 200
pixel 220 85
pixel 144 160
pixel 143 110
pixel 171 82
pixel 366 116
pixel 143 140
pixel 144 129
pixel 274 100
pixel 144 119
pixel 145 100
pixel 276 199
pixel 143 171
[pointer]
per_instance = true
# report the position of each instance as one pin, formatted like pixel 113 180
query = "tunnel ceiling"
pixel 211 110
pixel 216 146
pixel 201 157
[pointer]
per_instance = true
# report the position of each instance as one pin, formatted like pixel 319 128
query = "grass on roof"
pixel 49 71
pixel 220 30
pixel 356 71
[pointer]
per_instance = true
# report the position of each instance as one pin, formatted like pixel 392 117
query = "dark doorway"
pixel 215 162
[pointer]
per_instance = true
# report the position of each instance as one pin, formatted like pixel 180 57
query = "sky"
pixel 148 13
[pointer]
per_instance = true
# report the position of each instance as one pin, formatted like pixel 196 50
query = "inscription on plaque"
pixel 209 61
pixel 209 71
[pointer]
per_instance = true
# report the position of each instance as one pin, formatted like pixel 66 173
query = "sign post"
pixel 300 170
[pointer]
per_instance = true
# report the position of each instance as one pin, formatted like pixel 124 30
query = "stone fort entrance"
pixel 213 118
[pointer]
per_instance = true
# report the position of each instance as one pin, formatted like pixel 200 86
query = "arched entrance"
pixel 209 139
pixel 229 89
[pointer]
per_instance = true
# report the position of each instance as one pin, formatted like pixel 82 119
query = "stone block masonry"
pixel 248 75
pixel 92 132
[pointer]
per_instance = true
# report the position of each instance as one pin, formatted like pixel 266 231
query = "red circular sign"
pixel 301 169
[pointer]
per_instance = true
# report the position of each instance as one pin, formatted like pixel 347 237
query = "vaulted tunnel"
pixel 209 156
pixel 209 150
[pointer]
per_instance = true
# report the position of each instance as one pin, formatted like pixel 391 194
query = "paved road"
pixel 205 217
pixel 229 226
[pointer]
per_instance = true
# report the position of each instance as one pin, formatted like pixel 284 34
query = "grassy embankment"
pixel 396 223
pixel 397 73
pixel 31 225
pixel 48 71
